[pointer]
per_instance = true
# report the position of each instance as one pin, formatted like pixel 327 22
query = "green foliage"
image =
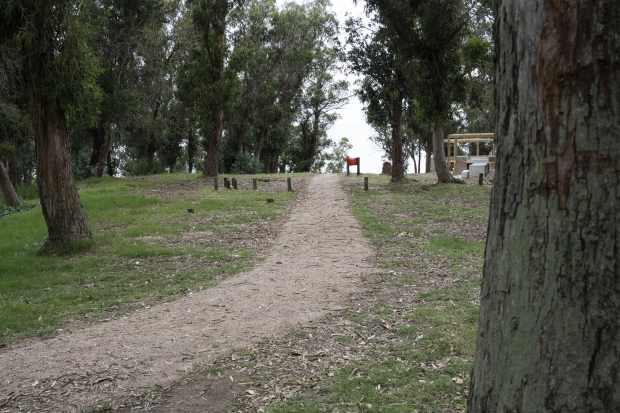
pixel 245 163
pixel 337 159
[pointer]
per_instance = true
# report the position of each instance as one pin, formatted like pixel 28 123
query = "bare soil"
pixel 315 265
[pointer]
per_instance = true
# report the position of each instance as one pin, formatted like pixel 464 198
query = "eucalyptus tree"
pixel 323 92
pixel 123 35
pixel 209 84
pixel 375 55
pixel 548 336
pixel 60 74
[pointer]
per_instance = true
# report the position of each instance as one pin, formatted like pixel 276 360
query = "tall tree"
pixel 59 71
pixel 210 84
pixel 384 86
pixel 549 332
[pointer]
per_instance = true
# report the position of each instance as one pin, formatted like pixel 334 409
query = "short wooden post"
pixel 234 182
pixel 347 168
pixel 480 179
pixel 365 183
pixel 358 166
pixel 255 184
pixel 288 183
pixel 215 183
pixel 226 183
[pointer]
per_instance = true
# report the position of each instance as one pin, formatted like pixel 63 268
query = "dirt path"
pixel 314 265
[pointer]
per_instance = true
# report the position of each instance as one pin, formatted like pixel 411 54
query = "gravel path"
pixel 314 265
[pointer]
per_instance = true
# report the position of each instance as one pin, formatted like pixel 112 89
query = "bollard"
pixel 234 182
pixel 255 184
pixel 365 183
pixel 480 179
pixel 215 183
pixel 358 166
pixel 347 168
pixel 288 182
pixel 226 183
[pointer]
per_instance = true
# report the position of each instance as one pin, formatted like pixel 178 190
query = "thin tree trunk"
pixel 150 158
pixel 420 159
pixel 259 143
pixel 549 331
pixel 104 150
pixel 191 151
pixel 99 141
pixel 429 151
pixel 398 161
pixel 443 173
pixel 415 164
pixel 13 163
pixel 8 191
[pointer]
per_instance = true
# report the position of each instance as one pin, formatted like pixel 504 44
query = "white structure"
pixel 475 169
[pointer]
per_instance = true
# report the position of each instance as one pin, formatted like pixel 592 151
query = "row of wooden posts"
pixel 233 184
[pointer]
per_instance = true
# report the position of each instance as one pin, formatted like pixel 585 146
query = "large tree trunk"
pixel 549 333
pixel 441 167
pixel 60 203
pixel 150 157
pixel 398 161
pixel 6 187
pixel 213 155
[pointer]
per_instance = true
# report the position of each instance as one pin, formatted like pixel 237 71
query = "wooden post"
pixel 456 154
pixel 365 183
pixel 480 179
pixel 358 166
pixel 288 183
pixel 215 183
pixel 449 140
pixel 255 184
pixel 347 167
pixel 226 183
pixel 477 148
pixel 493 148
pixel 234 182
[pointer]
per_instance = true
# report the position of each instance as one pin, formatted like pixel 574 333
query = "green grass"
pixel 130 262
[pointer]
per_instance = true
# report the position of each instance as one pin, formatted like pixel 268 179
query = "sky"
pixel 352 124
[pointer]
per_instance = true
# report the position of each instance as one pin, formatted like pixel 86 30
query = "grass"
pixel 130 262
pixel 426 366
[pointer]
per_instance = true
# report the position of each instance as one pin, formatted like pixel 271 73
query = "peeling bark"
pixel 549 332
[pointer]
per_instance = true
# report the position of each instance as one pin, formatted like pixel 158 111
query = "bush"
pixel 246 164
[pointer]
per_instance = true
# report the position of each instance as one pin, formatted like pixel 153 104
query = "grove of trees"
pixel 119 87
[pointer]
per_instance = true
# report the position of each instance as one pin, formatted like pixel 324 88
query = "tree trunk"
pixel 60 203
pixel 415 164
pixel 259 142
pixel 549 332
pixel 173 166
pixel 13 163
pixel 104 151
pixel 429 150
pixel 191 151
pixel 8 191
pixel 443 173
pixel 420 160
pixel 150 157
pixel 99 141
pixel 398 161
pixel 213 156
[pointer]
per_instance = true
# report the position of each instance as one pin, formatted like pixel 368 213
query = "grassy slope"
pixel 413 372
pixel 120 269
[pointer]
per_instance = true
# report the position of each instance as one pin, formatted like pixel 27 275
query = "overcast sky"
pixel 352 123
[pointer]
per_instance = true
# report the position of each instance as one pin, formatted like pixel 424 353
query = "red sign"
pixel 352 161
